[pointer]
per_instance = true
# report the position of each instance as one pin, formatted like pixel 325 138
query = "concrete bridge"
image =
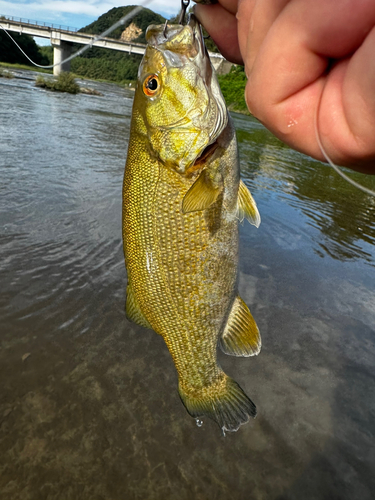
pixel 63 37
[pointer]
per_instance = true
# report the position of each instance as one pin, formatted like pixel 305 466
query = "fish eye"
pixel 151 85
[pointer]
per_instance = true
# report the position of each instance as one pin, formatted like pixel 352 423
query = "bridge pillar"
pixel 61 50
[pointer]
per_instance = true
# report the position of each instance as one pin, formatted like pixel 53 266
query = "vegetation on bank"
pixel 113 66
pixel 26 67
pixel 5 74
pixel 10 53
pixel 46 52
pixel 65 82
pixel 233 88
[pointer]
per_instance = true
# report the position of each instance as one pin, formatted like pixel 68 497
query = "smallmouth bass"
pixel 182 199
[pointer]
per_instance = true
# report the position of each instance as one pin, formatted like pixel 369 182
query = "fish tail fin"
pixel 224 402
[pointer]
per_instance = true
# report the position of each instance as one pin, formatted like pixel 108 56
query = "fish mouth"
pixel 207 73
pixel 180 42
pixel 203 59
pixel 202 159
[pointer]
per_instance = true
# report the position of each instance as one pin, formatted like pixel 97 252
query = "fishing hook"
pixel 184 6
pixel 165 29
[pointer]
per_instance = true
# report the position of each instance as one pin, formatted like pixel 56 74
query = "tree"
pixel 10 53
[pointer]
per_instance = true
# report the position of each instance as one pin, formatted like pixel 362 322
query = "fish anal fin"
pixel 132 309
pixel 224 402
pixel 241 336
pixel 201 195
pixel 246 206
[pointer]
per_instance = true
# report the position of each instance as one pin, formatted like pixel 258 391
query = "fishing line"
pixel 120 22
pixel 333 165
pixel 184 5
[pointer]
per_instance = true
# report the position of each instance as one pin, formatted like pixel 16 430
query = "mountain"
pixel 142 20
pixel 112 65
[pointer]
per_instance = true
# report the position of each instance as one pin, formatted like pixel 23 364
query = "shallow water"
pixel 88 401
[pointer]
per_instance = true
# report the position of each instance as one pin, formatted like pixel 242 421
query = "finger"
pixel 222 27
pixel 245 9
pixel 229 5
pixel 255 18
pixel 283 68
pixel 289 72
pixel 347 111
pixel 358 90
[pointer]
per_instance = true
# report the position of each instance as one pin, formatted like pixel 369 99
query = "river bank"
pixel 232 84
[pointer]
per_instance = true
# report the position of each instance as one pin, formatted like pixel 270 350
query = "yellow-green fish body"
pixel 182 201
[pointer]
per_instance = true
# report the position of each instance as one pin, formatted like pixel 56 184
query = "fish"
pixel 182 203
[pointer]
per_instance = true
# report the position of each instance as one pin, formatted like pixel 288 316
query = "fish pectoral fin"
pixel 246 206
pixel 202 194
pixel 241 336
pixel 132 309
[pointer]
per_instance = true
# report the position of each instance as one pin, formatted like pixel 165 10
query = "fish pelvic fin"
pixel 246 206
pixel 132 309
pixel 224 402
pixel 202 194
pixel 241 335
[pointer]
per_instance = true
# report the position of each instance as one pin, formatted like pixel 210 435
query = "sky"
pixel 76 13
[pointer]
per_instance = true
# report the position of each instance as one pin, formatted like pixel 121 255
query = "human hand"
pixel 307 62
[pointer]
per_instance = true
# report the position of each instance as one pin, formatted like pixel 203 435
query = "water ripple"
pixel 343 216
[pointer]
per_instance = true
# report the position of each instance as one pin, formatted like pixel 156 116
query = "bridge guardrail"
pixel 38 23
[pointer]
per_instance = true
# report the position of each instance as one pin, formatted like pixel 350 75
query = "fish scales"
pixel 173 306
pixel 180 222
pixel 192 290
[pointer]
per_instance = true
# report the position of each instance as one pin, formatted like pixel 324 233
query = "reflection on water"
pixel 88 401
pixel 344 215
pixel 62 160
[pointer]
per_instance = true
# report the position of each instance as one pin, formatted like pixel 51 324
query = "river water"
pixel 88 401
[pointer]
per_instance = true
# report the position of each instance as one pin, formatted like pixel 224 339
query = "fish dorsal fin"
pixel 241 335
pixel 246 206
pixel 202 194
pixel 132 309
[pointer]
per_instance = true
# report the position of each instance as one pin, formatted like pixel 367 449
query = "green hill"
pixel 109 64
pixel 141 20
